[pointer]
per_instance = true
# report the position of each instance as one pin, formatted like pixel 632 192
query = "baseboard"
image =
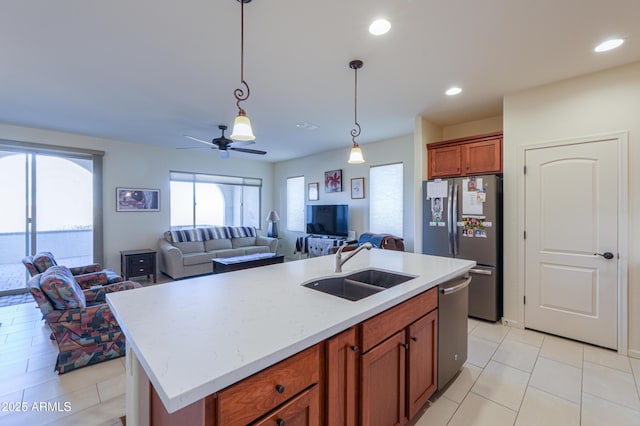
pixel 633 353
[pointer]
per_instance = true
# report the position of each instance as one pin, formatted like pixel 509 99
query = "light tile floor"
pixel 521 377
pixel 512 377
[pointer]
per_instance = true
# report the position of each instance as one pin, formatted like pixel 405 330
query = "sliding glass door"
pixel 48 206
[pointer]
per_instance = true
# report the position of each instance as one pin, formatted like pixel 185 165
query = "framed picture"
pixel 357 188
pixel 333 181
pixel 313 191
pixel 137 200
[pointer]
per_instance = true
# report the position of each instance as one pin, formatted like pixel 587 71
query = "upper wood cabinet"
pixel 466 156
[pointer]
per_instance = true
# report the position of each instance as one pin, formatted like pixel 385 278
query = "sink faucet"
pixel 341 261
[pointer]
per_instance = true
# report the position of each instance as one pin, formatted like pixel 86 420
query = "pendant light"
pixel 355 157
pixel 242 130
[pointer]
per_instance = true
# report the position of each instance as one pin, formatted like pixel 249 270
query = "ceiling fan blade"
pixel 250 151
pixel 197 140
pixel 196 147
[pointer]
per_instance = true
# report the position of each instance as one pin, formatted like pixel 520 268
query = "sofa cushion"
pixel 217 244
pixel 217 233
pixel 257 249
pixel 243 242
pixel 186 235
pixel 229 253
pixel 243 231
pixel 190 247
pixel 62 289
pixel 197 258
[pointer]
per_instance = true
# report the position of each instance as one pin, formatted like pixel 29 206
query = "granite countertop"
pixel 196 336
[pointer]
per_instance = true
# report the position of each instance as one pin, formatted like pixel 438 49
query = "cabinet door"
pixel 341 362
pixel 303 410
pixel 444 161
pixel 382 392
pixel 482 157
pixel 422 379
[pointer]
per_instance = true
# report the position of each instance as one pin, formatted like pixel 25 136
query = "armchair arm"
pixel 86 281
pixel 267 241
pixel 86 269
pixel 97 317
pixel 96 295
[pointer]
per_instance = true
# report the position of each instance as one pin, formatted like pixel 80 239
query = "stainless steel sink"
pixel 358 285
pixel 380 278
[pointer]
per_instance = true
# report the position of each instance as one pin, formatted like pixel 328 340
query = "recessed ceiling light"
pixel 608 45
pixel 306 126
pixel 454 91
pixel 379 27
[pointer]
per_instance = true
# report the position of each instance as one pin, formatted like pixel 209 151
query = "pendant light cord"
pixel 239 93
pixel 355 132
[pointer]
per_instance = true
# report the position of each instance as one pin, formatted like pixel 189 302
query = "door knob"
pixel 607 255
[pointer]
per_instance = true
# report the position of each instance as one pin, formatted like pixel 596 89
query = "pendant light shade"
pixel 355 156
pixel 242 130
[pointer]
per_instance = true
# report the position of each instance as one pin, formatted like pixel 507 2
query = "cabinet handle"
pixel 415 339
pixel 280 422
pixel 141 260
pixel 141 270
pixel 279 388
pixel 355 348
pixel 404 345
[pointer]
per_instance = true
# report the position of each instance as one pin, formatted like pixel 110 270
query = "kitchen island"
pixel 195 337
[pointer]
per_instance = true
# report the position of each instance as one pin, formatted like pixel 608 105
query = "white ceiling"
pixel 150 71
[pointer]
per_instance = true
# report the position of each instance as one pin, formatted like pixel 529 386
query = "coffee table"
pixel 236 263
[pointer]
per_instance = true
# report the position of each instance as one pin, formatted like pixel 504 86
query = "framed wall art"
pixel 357 188
pixel 313 191
pixel 333 181
pixel 137 200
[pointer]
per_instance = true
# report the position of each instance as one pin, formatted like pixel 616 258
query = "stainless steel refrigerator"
pixel 462 218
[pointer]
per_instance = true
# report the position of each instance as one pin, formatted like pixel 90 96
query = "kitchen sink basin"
pixel 380 278
pixel 358 285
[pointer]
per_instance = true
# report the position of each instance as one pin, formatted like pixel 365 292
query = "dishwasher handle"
pixel 481 271
pixel 450 290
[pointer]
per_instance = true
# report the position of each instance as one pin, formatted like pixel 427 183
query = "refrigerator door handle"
pixel 455 288
pixel 481 271
pixel 450 221
pixel 454 221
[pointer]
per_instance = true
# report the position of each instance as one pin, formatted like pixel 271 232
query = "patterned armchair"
pixel 81 321
pixel 42 261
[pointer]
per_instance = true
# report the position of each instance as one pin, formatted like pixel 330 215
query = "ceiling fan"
pixel 224 144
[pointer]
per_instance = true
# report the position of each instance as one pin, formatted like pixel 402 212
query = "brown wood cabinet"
pixel 303 410
pixel 469 156
pixel 383 376
pixel 422 361
pixel 341 375
pixel 398 367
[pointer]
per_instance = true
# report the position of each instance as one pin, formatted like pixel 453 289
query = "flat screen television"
pixel 328 219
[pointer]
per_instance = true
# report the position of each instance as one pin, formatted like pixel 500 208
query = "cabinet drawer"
pixel 378 328
pixel 140 260
pixel 303 410
pixel 254 396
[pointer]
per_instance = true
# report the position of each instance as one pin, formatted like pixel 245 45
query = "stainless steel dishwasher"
pixel 453 307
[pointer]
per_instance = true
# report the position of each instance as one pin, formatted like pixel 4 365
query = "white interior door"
pixel 571 212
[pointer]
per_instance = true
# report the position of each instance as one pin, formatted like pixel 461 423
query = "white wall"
pixel 142 166
pixel 313 168
pixel 605 102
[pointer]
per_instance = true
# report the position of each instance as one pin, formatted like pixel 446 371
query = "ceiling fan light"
pixel 242 130
pixel 356 157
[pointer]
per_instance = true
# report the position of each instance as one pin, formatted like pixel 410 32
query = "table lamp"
pixel 272 217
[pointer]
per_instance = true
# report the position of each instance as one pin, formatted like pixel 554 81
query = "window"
pixel 386 199
pixel 295 204
pixel 51 196
pixel 212 200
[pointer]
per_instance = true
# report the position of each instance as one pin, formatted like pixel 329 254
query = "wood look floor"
pixel 512 377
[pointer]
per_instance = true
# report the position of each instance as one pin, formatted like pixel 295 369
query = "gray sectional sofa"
pixel 189 252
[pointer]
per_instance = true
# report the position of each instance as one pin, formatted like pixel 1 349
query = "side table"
pixel 134 263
